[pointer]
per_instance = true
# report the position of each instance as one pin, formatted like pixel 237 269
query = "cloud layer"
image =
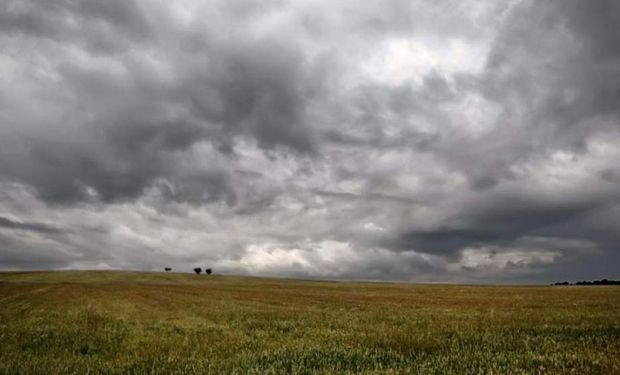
pixel 401 140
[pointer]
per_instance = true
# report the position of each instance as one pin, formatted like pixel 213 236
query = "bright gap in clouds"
pixel 408 61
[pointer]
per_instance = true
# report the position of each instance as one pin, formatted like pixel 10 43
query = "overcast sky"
pixel 435 141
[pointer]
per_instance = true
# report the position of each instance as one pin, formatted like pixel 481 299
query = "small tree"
pixel 198 270
pixel 208 271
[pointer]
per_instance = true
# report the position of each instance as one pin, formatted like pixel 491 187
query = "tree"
pixel 208 271
pixel 198 270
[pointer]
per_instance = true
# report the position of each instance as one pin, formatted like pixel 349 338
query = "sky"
pixel 450 141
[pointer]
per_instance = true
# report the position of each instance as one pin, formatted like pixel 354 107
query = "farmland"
pixel 139 322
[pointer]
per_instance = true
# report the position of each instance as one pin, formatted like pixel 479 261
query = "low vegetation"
pixel 165 323
pixel 595 282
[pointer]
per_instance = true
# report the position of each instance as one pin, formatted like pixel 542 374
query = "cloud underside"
pixel 408 140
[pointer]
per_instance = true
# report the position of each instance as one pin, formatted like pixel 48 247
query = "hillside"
pixel 113 322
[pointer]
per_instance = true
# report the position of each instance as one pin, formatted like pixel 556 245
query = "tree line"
pixel 594 282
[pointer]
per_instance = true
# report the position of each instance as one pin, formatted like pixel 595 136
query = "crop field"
pixel 164 323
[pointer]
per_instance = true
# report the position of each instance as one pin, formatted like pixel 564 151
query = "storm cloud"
pixel 397 140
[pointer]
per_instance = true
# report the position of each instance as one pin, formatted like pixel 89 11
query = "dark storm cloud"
pixel 16 255
pixel 258 88
pixel 124 123
pixel 500 220
pixel 566 86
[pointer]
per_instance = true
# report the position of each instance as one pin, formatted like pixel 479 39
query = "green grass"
pixel 132 322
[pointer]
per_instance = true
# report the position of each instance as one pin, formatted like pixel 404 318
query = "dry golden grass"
pixel 132 322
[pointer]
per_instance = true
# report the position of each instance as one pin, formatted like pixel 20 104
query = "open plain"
pixel 138 322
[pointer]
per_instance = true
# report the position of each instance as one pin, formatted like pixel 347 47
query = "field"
pixel 131 322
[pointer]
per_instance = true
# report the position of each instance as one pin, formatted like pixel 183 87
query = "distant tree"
pixel 198 270
pixel 167 269
pixel 208 271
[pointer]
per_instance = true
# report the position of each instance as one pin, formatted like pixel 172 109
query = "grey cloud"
pixel 578 81
pixel 98 26
pixel 555 87
pixel 501 218
pixel 122 132
pixel 16 255
pixel 367 197
pixel 28 226
pixel 372 140
pixel 204 187
pixel 260 88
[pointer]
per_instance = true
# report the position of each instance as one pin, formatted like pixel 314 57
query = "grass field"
pixel 130 322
